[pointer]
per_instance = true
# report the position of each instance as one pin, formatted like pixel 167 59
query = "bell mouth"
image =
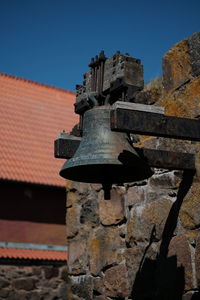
pixel 107 173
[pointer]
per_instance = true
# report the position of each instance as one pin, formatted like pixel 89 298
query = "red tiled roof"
pixel 31 115
pixel 32 254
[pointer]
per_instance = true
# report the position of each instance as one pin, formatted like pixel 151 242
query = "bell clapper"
pixel 107 188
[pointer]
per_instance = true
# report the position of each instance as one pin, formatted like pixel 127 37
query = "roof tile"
pixel 32 114
pixel 13 253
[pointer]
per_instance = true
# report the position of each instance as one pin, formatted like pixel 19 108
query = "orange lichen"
pixel 176 66
pixel 183 103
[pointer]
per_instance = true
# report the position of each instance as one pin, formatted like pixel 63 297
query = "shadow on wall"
pixel 162 279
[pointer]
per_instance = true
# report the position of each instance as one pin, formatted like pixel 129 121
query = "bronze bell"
pixel 104 156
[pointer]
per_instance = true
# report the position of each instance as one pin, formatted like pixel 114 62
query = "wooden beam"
pixel 66 146
pixel 139 107
pixel 167 159
pixel 154 124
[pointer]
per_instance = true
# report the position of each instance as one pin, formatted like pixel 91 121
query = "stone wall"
pixel 33 282
pixel 144 243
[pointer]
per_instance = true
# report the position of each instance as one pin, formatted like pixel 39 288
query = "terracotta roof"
pixel 32 254
pixel 31 115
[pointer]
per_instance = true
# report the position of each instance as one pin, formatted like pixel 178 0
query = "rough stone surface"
pixel 194 51
pixel 197 260
pixel 185 103
pixel 72 198
pixel 135 195
pixel 50 272
pixel 145 220
pixel 190 209
pixel 165 180
pixel 116 282
pixel 80 187
pixel 32 282
pixel 133 257
pixel 77 256
pixel 24 284
pixel 111 211
pixel 73 221
pixel 82 287
pixel 90 212
pixel 3 282
pixel 176 66
pixel 180 250
pixel 155 216
pixel 105 248
pixel 4 292
pixel 98 285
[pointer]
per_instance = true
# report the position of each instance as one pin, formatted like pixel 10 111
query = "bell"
pixel 104 156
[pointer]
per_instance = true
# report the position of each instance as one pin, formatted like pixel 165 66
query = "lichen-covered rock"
pixel 73 221
pixel 4 292
pixel 176 66
pixel 185 102
pixel 79 187
pixel 137 230
pixel 98 285
pixel 111 211
pixel 144 277
pixel 24 283
pixel 197 260
pixel 77 256
pixel 180 249
pixel 147 220
pixel 32 282
pixel 64 273
pixel 72 198
pixel 50 271
pixel 100 298
pixel 133 258
pixel 165 181
pixel 116 282
pixel 62 291
pixel 194 51
pixel 89 213
pixel 174 272
pixel 3 282
pixel 135 195
pixel 190 209
pixel 105 248
pixel 82 287
pixel 155 215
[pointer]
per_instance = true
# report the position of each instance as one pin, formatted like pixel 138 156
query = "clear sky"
pixel 52 41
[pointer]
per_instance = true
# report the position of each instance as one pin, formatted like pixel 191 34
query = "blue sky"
pixel 52 41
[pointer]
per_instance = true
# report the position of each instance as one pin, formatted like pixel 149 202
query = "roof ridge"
pixel 35 82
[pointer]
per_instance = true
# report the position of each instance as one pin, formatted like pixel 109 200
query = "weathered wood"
pixel 155 124
pixel 65 147
pixel 167 159
pixel 138 107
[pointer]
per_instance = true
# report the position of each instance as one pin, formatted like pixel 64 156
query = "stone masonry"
pixel 144 243
pixel 33 282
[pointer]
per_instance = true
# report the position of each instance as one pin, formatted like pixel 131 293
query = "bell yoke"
pixel 101 150
pixel 105 156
